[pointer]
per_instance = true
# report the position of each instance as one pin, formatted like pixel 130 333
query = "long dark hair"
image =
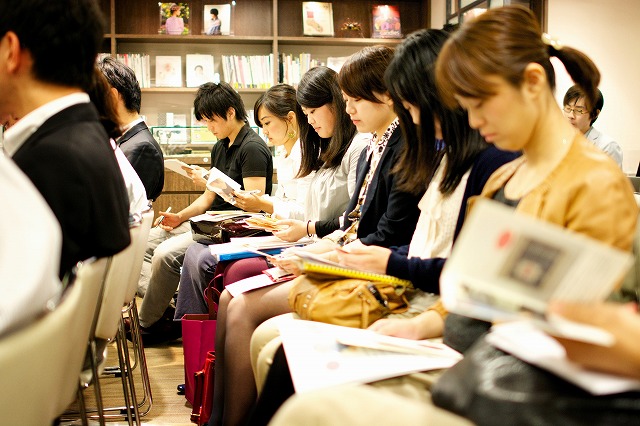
pixel 100 96
pixel 319 87
pixel 501 42
pixel 411 77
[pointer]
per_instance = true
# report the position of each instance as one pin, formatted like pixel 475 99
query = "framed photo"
pixel 168 71
pixel 174 18
pixel 317 18
pixel 199 69
pixel 386 22
pixel 220 23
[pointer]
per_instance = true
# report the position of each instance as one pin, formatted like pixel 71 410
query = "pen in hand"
pixel 162 217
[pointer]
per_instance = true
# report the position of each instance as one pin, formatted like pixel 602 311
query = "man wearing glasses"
pixel 582 117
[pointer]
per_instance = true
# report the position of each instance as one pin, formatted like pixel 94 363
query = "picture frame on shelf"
pixel 174 19
pixel 317 18
pixel 223 25
pixel 199 69
pixel 168 71
pixel 386 21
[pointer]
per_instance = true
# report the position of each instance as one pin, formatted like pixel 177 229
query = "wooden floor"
pixel 166 370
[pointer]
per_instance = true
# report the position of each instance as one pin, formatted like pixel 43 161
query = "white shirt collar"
pixel 128 127
pixel 17 134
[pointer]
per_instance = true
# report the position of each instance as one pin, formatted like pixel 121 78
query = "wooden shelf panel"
pixel 162 38
pixel 336 41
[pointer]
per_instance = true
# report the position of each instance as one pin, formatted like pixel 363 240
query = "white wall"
pixel 609 33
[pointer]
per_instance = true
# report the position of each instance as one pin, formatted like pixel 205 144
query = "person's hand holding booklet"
pixel 222 185
pixel 507 266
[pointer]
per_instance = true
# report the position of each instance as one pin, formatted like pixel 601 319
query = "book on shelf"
pixel 386 22
pixel 315 265
pixel 508 266
pixel 317 18
pixel 221 26
pixel 168 71
pixel 292 67
pixel 141 66
pixel 248 71
pixel 174 18
pixel 199 69
pixel 336 62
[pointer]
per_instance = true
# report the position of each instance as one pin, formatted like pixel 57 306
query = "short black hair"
pixel 63 37
pixel 575 92
pixel 215 99
pixel 214 12
pixel 124 80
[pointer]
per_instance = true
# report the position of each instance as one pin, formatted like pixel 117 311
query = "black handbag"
pixel 491 387
pixel 221 228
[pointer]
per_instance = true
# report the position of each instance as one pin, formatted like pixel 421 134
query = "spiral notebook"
pixel 314 265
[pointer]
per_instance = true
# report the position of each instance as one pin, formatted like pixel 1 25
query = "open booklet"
pixel 222 185
pixel 506 266
pixel 177 166
pixel 315 265
pixel 322 355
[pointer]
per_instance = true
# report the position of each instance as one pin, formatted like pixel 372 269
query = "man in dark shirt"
pixel 137 142
pixel 46 66
pixel 242 155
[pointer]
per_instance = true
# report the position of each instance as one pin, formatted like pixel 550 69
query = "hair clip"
pixel 551 41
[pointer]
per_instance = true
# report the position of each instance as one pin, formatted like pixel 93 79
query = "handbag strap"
pixel 214 288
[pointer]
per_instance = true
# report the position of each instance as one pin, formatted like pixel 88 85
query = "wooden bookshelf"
pixel 260 27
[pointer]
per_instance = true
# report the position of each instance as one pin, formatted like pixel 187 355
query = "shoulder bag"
pixel 491 387
pixel 348 302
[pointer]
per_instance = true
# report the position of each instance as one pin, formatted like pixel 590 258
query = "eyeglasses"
pixel 577 111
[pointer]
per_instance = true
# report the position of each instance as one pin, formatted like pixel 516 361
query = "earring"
pixel 291 134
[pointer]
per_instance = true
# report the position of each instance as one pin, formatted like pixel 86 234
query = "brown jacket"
pixel 586 193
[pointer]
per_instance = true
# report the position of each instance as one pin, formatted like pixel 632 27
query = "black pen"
pixel 376 293
pixel 162 217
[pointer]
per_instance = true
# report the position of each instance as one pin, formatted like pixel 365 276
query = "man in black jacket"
pixel 137 142
pixel 47 58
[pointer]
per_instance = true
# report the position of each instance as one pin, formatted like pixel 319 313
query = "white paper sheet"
pixel 524 341
pixel 316 359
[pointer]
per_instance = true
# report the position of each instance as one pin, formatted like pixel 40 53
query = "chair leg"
pixel 96 381
pixel 129 399
pixel 140 357
pixel 82 406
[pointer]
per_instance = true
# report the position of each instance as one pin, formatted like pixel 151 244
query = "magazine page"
pixel 222 185
pixel 317 360
pixel 177 166
pixel 531 345
pixel 506 265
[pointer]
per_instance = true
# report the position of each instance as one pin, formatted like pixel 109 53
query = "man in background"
pixel 47 57
pixel 137 142
pixel 582 116
pixel 239 153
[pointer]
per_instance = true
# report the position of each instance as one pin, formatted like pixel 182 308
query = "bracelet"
pixel 308 233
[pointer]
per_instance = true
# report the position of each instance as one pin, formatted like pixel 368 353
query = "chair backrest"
pixel 115 288
pixel 41 362
pixel 139 251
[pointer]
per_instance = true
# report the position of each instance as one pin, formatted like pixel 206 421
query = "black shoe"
pixel 162 331
pixel 181 389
